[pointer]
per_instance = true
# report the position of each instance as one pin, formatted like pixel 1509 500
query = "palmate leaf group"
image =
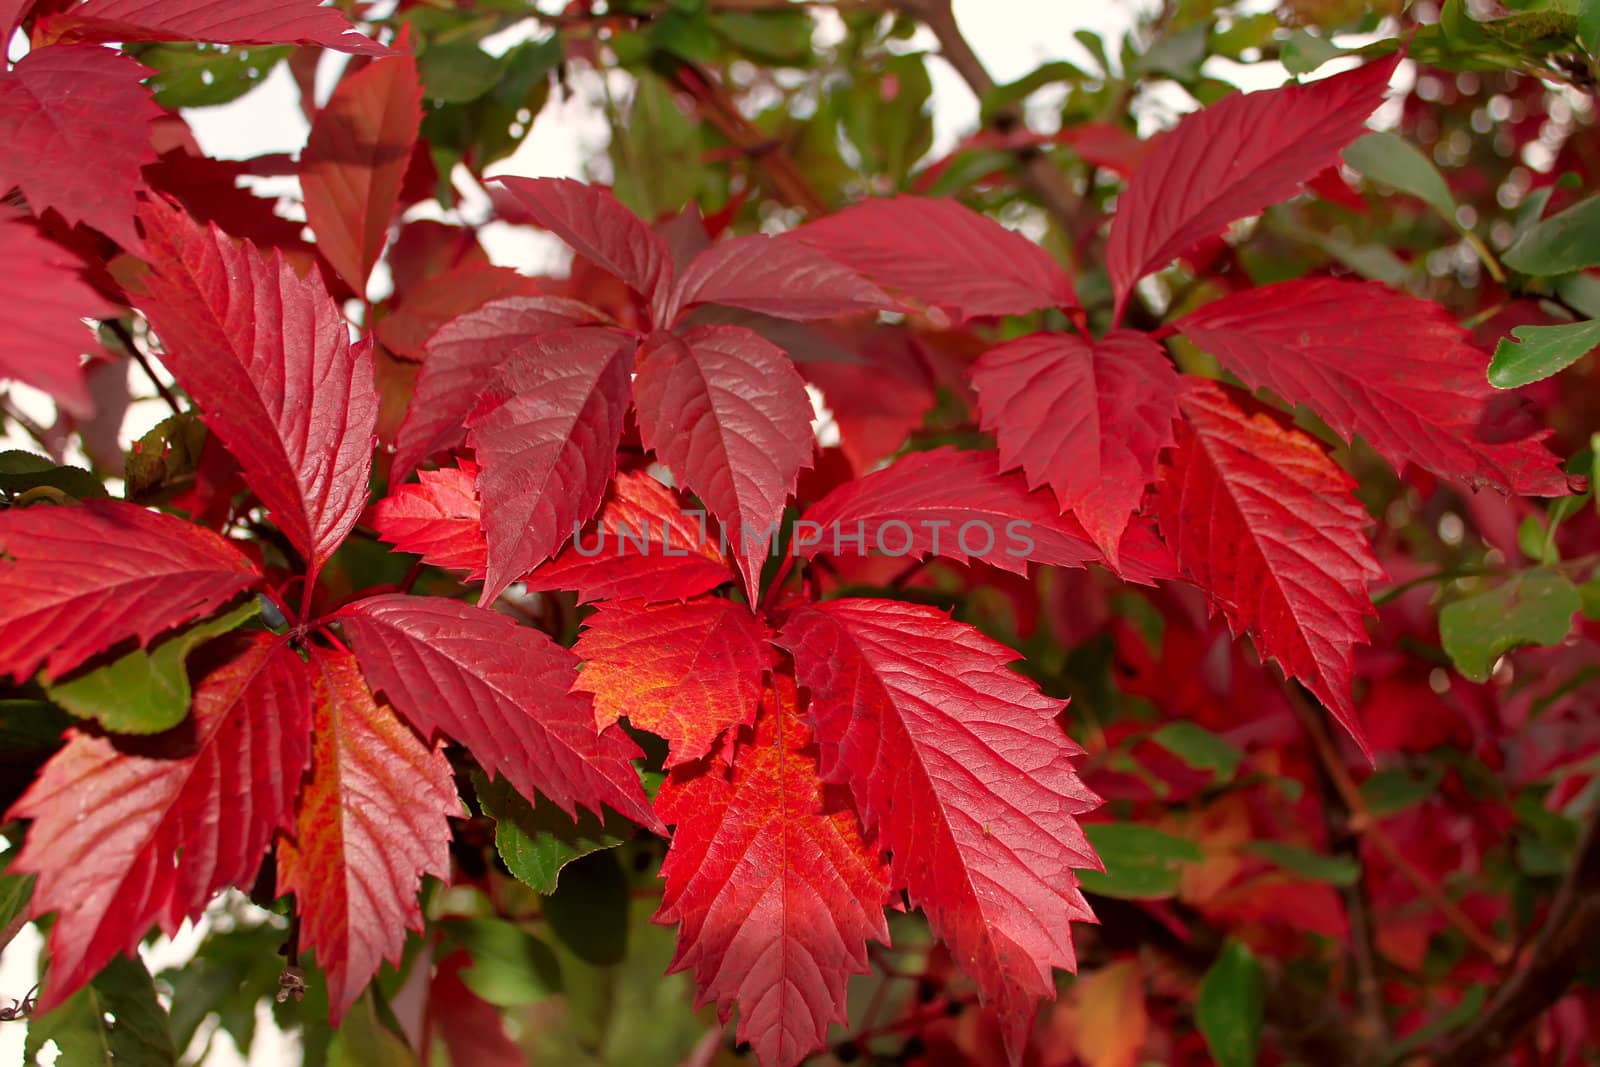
pixel 638 442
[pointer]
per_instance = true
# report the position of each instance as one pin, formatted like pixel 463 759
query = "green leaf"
pixel 588 911
pixel 1589 26
pixel 1141 863
pixel 1387 158
pixel 166 458
pixel 510 967
pixel 1003 96
pixel 145 691
pixel 887 118
pixel 21 471
pixel 782 38
pixel 1200 748
pixel 657 154
pixel 363 1041
pixel 1533 608
pixel 15 892
pixel 235 969
pixel 1229 1007
pixel 205 75
pixel 1335 870
pixel 1303 52
pixel 114 1021
pixel 536 841
pixel 1566 241
pixel 458 72
pixel 1394 789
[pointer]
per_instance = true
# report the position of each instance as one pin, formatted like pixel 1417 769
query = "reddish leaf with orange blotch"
pixel 1263 521
pixel 1232 159
pixel 773 887
pixel 727 413
pixel 500 689
pixel 63 107
pixel 44 348
pixel 774 276
pixel 958 505
pixel 460 361
pixel 213 21
pixel 1370 361
pixel 437 517
pixel 267 356
pixel 354 161
pixel 131 834
pixel 642 546
pixel 941 253
pixel 545 434
pixel 959 768
pixel 372 820
pixel 77 580
pixel 685 672
pixel 597 227
pixel 1086 418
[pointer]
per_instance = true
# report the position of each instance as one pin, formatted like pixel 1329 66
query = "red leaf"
pixel 61 108
pixel 140 833
pixel 685 672
pixel 77 580
pixel 267 356
pixel 500 689
pixel 371 823
pixel 1370 361
pixel 957 505
pixel 774 276
pixel 437 518
pixel 44 348
pixel 1088 419
pixel 1232 159
pixel 1265 523
pixel 212 21
pixel 959 768
pixel 729 416
pixel 461 358
pixel 939 252
pixel 878 401
pixel 471 1029
pixel 407 329
pixel 775 890
pixel 545 433
pixel 354 161
pixel 642 546
pixel 597 227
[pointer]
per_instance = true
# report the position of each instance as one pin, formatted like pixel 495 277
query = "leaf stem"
pixel 120 331
pixel 1364 823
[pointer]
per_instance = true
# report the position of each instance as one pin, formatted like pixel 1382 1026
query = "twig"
pixel 120 331
pixel 1565 944
pixel 1362 822
pixel 1041 177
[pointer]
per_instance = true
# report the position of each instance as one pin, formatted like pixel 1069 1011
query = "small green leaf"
pixel 114 1021
pixel 1534 353
pixel 777 37
pixel 1533 608
pixel 1141 863
pixel 21 471
pixel 1394 789
pixel 1387 158
pixel 1303 52
pixel 1589 26
pixel 589 909
pixel 205 75
pixel 1199 747
pixel 537 840
pixel 510 967
pixel 1335 870
pixel 458 72
pixel 235 969
pixel 15 892
pixel 1229 1007
pixel 363 1041
pixel 145 691
pixel 1564 242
